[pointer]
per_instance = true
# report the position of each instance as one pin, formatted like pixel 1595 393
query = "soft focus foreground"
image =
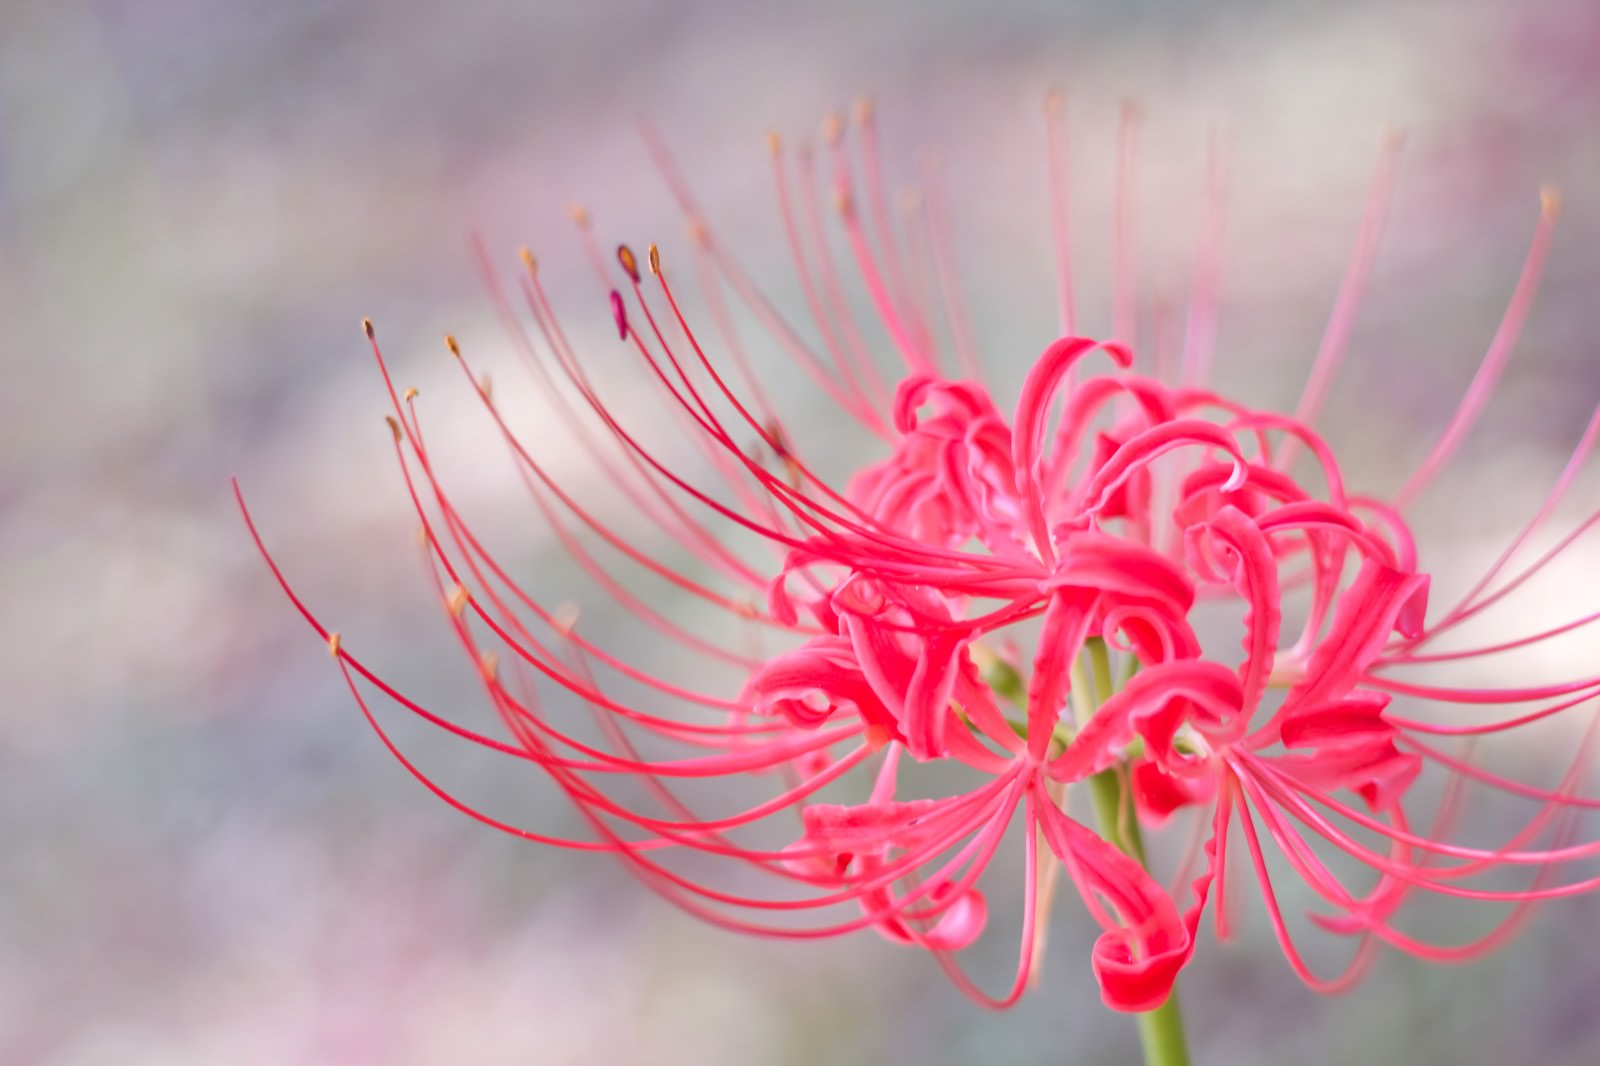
pixel 211 856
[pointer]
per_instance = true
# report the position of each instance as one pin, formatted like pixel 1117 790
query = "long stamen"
pixel 1336 335
pixel 1200 330
pixel 1494 360
pixel 1124 250
pixel 1060 220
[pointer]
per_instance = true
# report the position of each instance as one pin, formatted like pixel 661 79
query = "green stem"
pixel 1160 1030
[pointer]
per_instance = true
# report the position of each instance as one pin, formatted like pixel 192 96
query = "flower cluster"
pixel 1007 597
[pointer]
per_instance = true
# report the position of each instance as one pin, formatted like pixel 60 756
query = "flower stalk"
pixel 1161 1029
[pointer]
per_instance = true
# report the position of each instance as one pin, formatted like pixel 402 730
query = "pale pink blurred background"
pixel 206 857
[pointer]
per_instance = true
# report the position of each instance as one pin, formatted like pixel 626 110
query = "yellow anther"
pixel 1550 202
pixel 333 644
pixel 629 263
pixel 832 127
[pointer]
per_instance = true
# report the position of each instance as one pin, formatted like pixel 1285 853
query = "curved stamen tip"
pixel 450 342
pixel 1550 202
pixel 832 127
pixel 528 260
pixel 334 644
pixel 629 262
pixel 654 255
pixel 774 143
pixel 366 327
pixel 580 215
pixel 457 602
pixel 410 394
pixel 620 314
pixel 1236 479
pixel 864 110
pixel 394 427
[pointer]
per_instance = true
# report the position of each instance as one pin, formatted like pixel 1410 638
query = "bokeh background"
pixel 205 855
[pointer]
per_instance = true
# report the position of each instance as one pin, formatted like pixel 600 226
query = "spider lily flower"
pixel 1008 593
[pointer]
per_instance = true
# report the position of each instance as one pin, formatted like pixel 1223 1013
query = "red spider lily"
pixel 1087 522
